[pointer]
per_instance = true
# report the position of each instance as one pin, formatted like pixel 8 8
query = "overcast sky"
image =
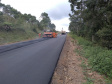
pixel 57 10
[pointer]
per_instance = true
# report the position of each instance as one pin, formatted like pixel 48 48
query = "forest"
pixel 15 26
pixel 92 19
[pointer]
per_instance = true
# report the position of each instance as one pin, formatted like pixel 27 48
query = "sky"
pixel 57 10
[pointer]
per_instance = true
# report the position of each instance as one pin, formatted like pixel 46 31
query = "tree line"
pixel 92 19
pixel 12 19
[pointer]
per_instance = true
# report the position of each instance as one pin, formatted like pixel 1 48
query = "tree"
pixel 45 22
pixel 92 19
pixel 52 26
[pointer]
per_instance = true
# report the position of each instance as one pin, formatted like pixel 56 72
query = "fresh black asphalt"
pixel 5 48
pixel 31 64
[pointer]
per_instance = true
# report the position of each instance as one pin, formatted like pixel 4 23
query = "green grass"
pixel 98 57
pixel 89 80
pixel 16 36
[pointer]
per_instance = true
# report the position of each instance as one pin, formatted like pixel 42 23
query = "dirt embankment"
pixel 69 69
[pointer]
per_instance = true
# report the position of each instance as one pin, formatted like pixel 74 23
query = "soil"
pixel 69 69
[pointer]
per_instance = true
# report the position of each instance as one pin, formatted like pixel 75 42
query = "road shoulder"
pixel 70 69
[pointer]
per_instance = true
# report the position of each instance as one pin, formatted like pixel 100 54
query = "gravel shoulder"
pixel 69 69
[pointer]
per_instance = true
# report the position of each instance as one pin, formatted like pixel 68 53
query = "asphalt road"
pixel 31 64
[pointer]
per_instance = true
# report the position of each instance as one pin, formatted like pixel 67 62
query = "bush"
pixel 105 35
pixel 98 57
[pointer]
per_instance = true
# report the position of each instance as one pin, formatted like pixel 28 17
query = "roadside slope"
pixel 70 68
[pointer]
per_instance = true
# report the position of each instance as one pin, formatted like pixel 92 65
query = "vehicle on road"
pixel 49 34
pixel 63 32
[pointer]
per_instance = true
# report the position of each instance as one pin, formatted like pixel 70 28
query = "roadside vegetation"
pixel 99 58
pixel 92 19
pixel 91 26
pixel 15 26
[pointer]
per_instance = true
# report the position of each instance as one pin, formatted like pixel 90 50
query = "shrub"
pixel 98 57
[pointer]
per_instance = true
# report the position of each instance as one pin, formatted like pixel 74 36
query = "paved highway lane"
pixel 32 64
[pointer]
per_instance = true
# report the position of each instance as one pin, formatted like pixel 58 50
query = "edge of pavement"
pixel 13 46
pixel 57 60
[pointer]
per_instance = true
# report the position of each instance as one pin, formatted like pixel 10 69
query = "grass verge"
pixel 16 36
pixel 99 58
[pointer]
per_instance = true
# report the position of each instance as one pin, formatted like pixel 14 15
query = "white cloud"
pixel 59 11
pixel 62 23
